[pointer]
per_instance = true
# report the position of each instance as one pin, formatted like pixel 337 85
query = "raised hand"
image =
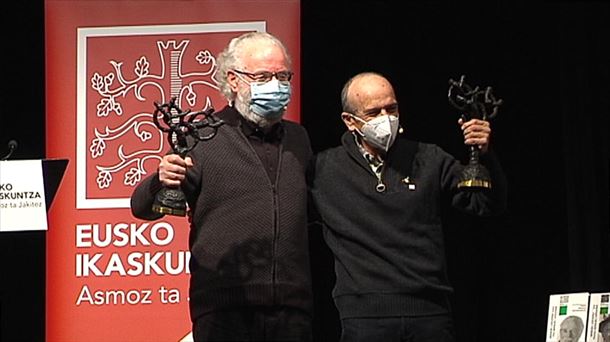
pixel 476 132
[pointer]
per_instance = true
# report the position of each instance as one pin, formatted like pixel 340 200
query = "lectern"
pixel 27 189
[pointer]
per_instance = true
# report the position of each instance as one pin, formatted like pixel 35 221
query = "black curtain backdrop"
pixel 550 63
pixel 22 118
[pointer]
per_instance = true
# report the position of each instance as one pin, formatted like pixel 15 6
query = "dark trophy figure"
pixel 473 104
pixel 185 129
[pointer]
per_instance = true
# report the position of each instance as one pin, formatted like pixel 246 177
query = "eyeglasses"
pixel 266 76
pixel 389 109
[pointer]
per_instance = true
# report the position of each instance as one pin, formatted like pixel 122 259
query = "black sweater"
pixel 388 246
pixel 248 237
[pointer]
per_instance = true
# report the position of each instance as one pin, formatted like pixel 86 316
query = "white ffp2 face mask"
pixel 379 132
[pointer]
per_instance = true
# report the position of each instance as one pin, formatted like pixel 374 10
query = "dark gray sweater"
pixel 248 237
pixel 388 246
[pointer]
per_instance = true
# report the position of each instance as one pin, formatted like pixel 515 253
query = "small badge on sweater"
pixel 410 185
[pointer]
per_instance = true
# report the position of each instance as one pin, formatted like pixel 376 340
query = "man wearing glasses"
pixel 379 198
pixel 247 196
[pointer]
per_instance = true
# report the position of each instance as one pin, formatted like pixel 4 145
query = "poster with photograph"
pixel 567 317
pixel 598 324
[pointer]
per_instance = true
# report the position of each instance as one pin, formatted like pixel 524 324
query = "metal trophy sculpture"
pixel 473 104
pixel 185 129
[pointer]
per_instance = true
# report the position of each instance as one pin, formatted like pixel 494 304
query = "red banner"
pixel 111 277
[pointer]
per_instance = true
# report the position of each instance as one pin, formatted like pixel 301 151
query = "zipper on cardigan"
pixel 380 187
pixel 274 245
pixel 276 220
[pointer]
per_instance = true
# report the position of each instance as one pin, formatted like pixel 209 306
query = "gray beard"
pixel 242 104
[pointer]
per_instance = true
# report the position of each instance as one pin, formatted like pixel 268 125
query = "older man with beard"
pixel 571 329
pixel 247 196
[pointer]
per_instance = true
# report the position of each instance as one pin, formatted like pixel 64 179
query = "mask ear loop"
pixel 357 130
pixel 241 77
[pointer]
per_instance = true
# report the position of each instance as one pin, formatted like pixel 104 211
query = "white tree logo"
pixel 114 87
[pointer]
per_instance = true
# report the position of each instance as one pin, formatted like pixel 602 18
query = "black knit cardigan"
pixel 248 238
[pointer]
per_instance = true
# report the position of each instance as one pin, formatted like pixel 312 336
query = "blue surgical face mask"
pixel 269 100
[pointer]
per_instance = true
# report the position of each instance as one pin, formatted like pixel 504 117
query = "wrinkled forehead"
pixel 264 56
pixel 371 91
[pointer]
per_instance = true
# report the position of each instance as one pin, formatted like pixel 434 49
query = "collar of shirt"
pixel 375 162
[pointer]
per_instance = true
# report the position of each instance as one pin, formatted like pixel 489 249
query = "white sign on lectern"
pixel 22 196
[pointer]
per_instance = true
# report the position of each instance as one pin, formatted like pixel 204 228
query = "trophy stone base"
pixel 475 176
pixel 170 201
